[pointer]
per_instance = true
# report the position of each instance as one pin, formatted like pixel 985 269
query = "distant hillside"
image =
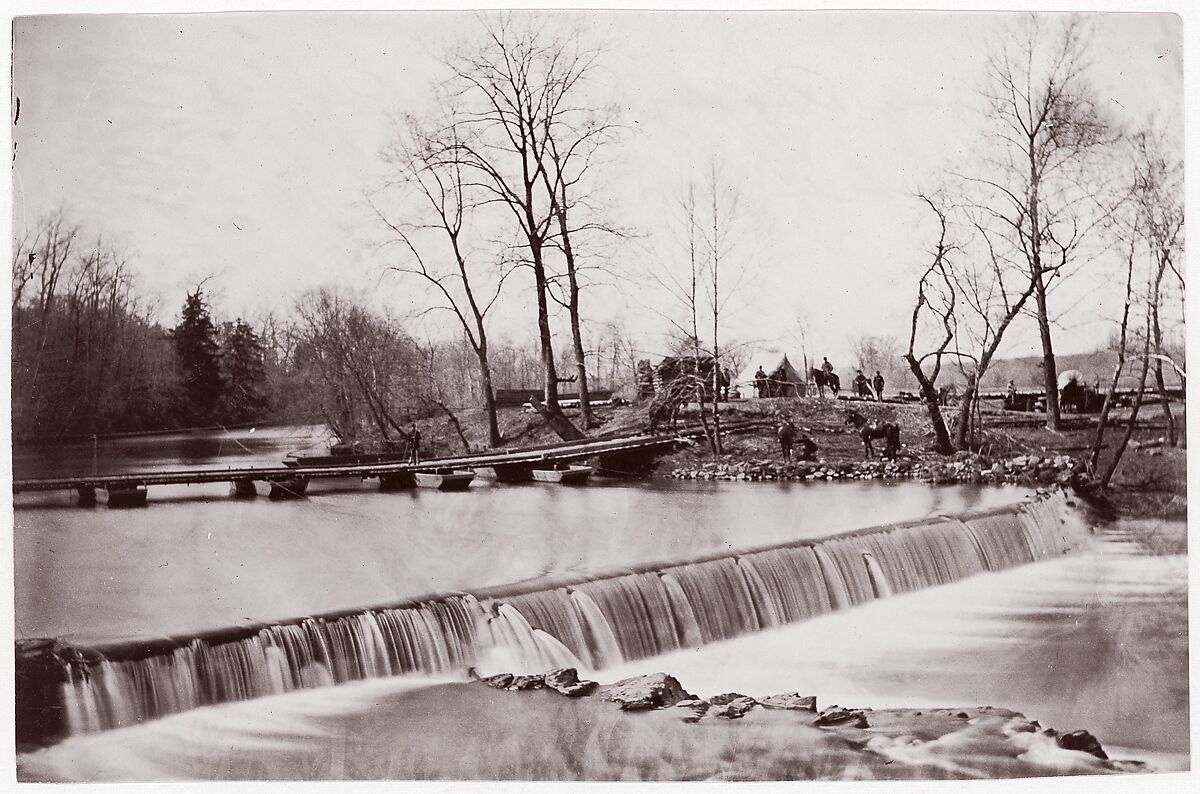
pixel 1026 372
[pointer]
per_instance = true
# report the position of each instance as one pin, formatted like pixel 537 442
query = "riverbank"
pixel 1027 470
pixel 1150 482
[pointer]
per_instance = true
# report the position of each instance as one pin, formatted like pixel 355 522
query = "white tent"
pixel 783 379
pixel 1070 375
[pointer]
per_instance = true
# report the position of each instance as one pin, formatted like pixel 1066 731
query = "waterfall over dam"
pixel 590 621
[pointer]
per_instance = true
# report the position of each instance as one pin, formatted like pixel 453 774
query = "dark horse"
pixel 822 380
pixel 872 429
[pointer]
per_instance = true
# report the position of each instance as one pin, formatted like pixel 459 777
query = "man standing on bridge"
pixel 414 443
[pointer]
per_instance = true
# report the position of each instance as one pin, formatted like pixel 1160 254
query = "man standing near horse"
pixel 877 382
pixel 787 435
pixel 869 430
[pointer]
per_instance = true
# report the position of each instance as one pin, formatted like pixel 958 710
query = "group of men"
pixel 862 386
pixel 789 436
pixel 869 389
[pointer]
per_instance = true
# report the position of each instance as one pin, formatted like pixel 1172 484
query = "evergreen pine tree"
pixel 195 341
pixel 242 355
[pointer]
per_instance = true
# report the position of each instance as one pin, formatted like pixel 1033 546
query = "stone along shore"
pixel 1029 470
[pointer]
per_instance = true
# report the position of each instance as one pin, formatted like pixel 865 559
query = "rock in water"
pixel 835 715
pixel 694 709
pixel 563 676
pixel 565 680
pixel 652 691
pixel 500 681
pixel 523 682
pixel 734 709
pixel 728 697
pixel 793 701
pixel 1084 742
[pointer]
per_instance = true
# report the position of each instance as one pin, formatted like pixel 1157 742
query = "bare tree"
pixel 514 89
pixel 703 284
pixel 1159 196
pixel 86 354
pixel 993 291
pixel 685 286
pixel 1121 349
pixel 39 264
pixel 574 136
pixel 426 166
pixel 880 353
pixel 936 302
pixel 1157 221
pixel 1155 278
pixel 362 361
pixel 725 276
pixel 799 332
pixel 1043 198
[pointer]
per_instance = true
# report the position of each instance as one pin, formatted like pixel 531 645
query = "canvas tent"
pixel 783 379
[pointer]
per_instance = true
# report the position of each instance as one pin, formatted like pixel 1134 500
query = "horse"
pixel 822 380
pixel 1073 396
pixel 872 429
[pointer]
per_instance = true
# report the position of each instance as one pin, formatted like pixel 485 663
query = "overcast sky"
pixel 240 145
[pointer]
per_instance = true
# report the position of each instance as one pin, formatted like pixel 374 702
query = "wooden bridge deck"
pixel 559 453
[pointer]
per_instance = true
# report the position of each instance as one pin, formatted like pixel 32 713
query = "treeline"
pixel 89 357
pixel 497 179
pixel 361 372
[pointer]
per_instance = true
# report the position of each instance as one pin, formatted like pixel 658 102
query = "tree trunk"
pixel 964 413
pixel 1049 367
pixel 1109 399
pixel 489 398
pixel 718 448
pixel 458 428
pixel 698 380
pixel 970 398
pixel 716 315
pixel 559 423
pixel 1159 381
pixel 1137 404
pixel 549 370
pixel 585 402
pixel 1122 346
pixel 581 378
pixel 1152 303
pixel 944 445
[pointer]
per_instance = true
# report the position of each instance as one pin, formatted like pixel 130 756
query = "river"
pixel 1096 639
